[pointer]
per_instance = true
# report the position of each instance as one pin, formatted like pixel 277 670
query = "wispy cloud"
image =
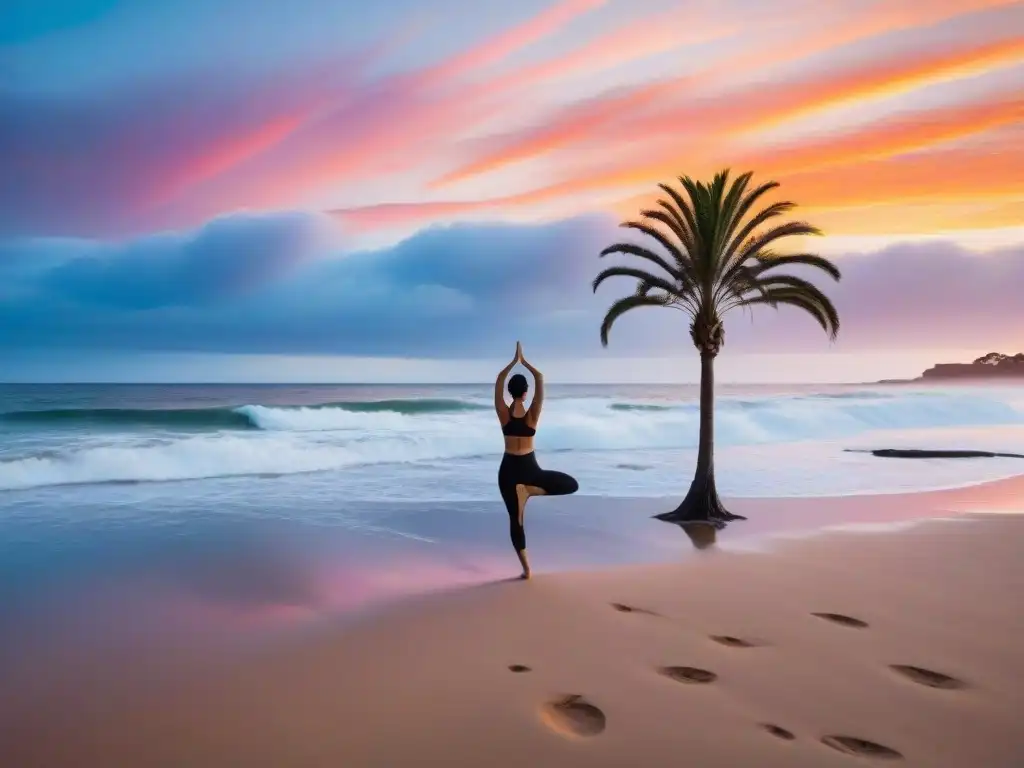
pixel 711 118
pixel 635 40
pixel 261 141
pixel 991 172
pixel 401 133
pixel 508 42
pixel 651 108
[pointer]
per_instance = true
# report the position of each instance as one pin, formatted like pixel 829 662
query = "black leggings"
pixel 524 470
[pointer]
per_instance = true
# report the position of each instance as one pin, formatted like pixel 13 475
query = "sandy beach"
pixel 839 649
pixel 301 303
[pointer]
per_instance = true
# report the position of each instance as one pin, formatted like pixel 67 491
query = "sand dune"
pixel 840 650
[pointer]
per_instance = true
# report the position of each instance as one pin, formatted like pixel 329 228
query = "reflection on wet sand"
pixel 702 535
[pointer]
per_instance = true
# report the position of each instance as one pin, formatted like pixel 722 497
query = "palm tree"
pixel 715 256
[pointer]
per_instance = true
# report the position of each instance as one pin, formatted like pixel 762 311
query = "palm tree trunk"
pixel 706 443
pixel 702 504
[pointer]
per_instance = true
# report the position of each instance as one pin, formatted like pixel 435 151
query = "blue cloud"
pixel 274 284
pixel 220 260
pixel 270 284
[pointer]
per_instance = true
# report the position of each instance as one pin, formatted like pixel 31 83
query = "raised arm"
pixel 500 407
pixel 533 415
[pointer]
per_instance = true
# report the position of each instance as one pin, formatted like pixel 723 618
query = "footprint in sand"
pixel 623 608
pixel 689 674
pixel 842 620
pixel 518 668
pixel 573 716
pixel 851 745
pixel 734 642
pixel 778 731
pixel 928 677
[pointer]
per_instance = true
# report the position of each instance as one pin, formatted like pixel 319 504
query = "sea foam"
pixel 147 446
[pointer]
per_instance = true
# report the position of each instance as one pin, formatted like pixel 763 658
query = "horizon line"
pixel 488 383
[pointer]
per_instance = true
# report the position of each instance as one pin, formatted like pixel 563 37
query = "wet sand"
pixel 842 649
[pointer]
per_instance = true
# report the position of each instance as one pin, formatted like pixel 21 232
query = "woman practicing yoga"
pixel 519 476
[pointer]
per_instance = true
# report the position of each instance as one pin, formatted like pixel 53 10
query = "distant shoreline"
pixel 994 366
pixel 968 380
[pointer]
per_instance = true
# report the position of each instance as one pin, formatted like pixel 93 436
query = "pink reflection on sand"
pixel 332 589
pixel 818 512
pixel 807 516
pixel 229 603
pixel 347 588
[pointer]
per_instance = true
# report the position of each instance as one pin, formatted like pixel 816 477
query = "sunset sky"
pixel 332 190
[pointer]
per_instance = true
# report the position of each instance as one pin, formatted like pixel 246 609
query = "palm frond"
pixel 815 303
pixel 681 228
pixel 631 249
pixel 620 307
pixel 765 285
pixel 742 279
pixel 771 282
pixel 647 290
pixel 704 221
pixel 738 235
pixel 732 212
pixel 656 234
pixel 683 261
pixel 642 276
pixel 675 225
pixel 761 241
pixel 767 261
pixel 685 211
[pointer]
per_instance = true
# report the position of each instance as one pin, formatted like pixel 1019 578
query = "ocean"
pixel 336 445
pixel 195 509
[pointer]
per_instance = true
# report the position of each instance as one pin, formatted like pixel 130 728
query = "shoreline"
pixel 90 444
pixel 357 692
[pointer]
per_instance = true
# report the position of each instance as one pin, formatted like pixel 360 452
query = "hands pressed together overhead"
pixel 520 359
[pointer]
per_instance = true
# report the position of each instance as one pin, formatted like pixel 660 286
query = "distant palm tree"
pixel 715 258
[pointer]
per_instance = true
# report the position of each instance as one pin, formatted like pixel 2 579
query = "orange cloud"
pixel 881 218
pixel 960 174
pixel 904 219
pixel 384 139
pixel 989 174
pixel 883 78
pixel 769 104
pixel 953 175
pixel 1006 214
pixel 640 39
pixel 890 137
pixel 615 115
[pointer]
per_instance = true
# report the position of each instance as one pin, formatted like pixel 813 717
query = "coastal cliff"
pixel 994 365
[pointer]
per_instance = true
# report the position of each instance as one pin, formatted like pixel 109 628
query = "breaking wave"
pixel 139 445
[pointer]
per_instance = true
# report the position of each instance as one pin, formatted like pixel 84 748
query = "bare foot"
pixel 525 562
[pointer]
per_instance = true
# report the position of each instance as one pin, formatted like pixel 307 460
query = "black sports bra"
pixel 516 426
